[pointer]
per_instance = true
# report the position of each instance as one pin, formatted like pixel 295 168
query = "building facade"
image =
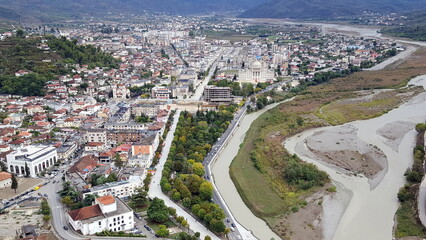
pixel 256 74
pixel 37 159
pixel 108 213
pixel 217 95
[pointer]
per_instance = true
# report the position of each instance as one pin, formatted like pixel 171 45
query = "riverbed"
pixel 220 170
pixel 364 212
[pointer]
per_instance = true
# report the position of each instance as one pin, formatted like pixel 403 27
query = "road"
pixel 155 189
pixel 200 89
pixel 401 56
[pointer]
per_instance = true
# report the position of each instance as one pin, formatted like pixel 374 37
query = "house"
pixel 5 179
pixel 85 164
pixel 94 146
pixel 108 213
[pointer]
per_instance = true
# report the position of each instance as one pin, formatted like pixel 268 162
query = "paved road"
pixel 401 56
pixel 200 89
pixel 155 189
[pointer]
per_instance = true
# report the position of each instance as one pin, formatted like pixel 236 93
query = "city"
pixel 157 125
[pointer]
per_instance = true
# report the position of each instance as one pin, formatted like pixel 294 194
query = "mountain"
pixel 326 9
pixel 413 26
pixel 49 10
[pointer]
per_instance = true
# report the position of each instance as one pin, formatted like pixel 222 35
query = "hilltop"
pixel 324 9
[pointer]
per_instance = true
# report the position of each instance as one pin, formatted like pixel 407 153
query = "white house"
pixel 5 179
pixel 36 157
pixel 120 189
pixel 108 213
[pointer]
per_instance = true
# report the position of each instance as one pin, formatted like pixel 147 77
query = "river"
pixel 358 212
pixel 220 170
pixel 370 213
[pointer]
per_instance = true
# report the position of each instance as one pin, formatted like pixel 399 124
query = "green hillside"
pixel 19 53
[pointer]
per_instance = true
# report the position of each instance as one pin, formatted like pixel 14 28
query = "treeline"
pixel 245 90
pixel 413 31
pixel 183 171
pixel 88 54
pixel 407 216
pixel 28 85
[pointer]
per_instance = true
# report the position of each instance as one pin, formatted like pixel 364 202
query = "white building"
pixel 121 189
pixel 37 158
pixel 95 135
pixel 5 179
pixel 108 213
pixel 256 74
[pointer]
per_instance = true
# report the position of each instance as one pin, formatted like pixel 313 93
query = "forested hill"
pixel 326 9
pixel 36 11
pixel 413 27
pixel 45 59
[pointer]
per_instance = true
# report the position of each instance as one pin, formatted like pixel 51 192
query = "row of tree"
pixel 182 176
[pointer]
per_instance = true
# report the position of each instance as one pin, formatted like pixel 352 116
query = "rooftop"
pixel 86 212
pixel 106 200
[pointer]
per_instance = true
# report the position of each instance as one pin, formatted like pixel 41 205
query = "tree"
pixel 139 198
pixel 117 161
pixel 20 33
pixel 207 237
pixel 162 231
pixel 206 191
pixel 67 201
pixel 14 183
pixel 112 177
pixel 27 170
pixel 158 211
pixel 3 166
pixel 217 225
pixel 89 199
pixel 198 169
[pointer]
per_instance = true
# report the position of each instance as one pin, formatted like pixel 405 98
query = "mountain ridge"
pixel 325 9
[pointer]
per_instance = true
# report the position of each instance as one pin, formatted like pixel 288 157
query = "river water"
pixel 370 213
pixel 220 170
pixel 358 212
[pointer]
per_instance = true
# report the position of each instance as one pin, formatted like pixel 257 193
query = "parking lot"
pixel 24 184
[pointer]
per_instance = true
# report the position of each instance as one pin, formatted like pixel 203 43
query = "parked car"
pixel 65 228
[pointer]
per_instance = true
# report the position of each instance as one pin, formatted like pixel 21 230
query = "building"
pixel 66 151
pixel 37 159
pixel 149 110
pixel 217 95
pixel 125 126
pixel 95 135
pixel 256 74
pixel 161 93
pixel 120 189
pixel 5 179
pixel 127 136
pixel 120 91
pixel 108 213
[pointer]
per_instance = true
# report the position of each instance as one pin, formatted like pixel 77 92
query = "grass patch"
pixel 408 224
pixel 155 226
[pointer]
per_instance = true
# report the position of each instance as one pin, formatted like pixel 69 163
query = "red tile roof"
pixel 86 212
pixel 106 200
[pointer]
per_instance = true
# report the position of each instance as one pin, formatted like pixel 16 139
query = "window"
pixel 100 223
pixel 122 221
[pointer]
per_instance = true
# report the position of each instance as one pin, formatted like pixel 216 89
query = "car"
pixel 65 228
pixel 45 195
pixel 54 181
pixel 233 224
pixel 232 229
pixel 227 220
